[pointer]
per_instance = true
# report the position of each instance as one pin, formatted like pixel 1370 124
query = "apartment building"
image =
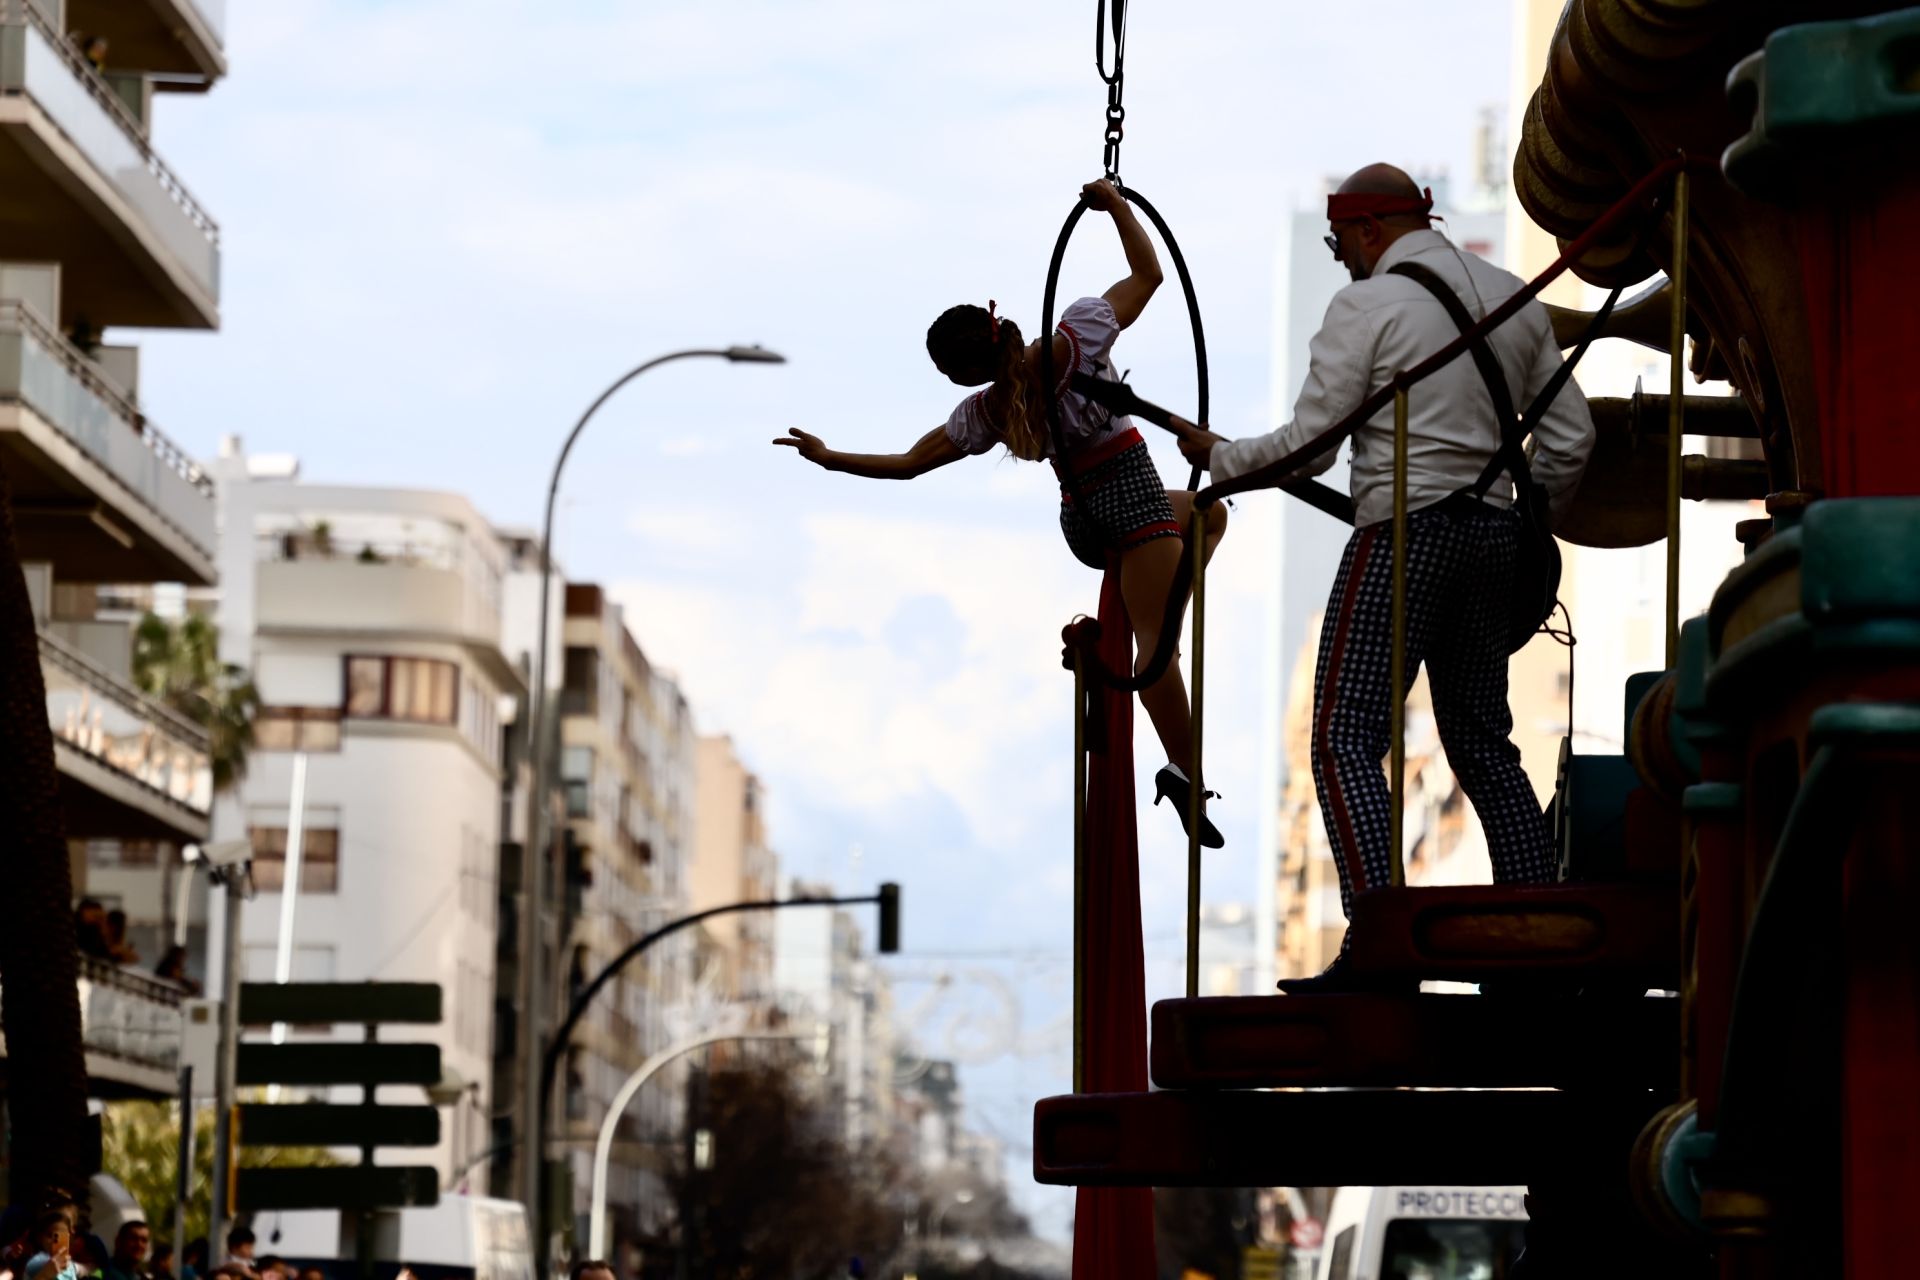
pixel 371 619
pixel 97 233
pixel 732 863
pixel 627 750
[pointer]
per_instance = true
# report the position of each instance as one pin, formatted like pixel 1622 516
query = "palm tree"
pixel 179 664
pixel 39 959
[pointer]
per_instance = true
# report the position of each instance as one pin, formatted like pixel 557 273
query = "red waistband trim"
pixel 1106 451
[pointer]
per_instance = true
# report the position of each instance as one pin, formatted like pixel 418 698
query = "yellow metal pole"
pixel 1397 665
pixel 1079 870
pixel 1196 789
pixel 1676 416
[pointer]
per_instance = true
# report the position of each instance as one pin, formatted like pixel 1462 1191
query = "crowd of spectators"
pixel 102 935
pixel 53 1245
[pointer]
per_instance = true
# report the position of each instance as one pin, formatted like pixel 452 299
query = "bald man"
pixel 1462 533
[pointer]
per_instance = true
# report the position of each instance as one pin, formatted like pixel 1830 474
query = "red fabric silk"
pixel 1344 208
pixel 1113 1226
pixel 1858 259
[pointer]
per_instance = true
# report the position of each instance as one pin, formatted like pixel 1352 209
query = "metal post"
pixel 183 1175
pixel 232 882
pixel 290 889
pixel 1196 788
pixel 1397 668
pixel 533 861
pixel 1079 870
pixel 1676 416
pixel 603 1146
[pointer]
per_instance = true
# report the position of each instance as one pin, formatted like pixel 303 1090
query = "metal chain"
pixel 1115 81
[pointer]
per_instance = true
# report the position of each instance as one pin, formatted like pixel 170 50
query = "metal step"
pixel 1465 1041
pixel 1388 1137
pixel 1625 936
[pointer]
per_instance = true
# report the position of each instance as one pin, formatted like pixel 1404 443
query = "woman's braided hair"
pixel 971 342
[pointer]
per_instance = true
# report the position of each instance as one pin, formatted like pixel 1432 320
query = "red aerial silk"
pixel 1113 1226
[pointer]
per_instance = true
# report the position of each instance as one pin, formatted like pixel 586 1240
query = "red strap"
pixel 1359 204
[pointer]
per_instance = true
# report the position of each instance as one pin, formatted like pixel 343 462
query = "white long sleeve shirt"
pixel 1386 323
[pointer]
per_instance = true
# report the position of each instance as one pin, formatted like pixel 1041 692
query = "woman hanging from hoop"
pixel 1124 511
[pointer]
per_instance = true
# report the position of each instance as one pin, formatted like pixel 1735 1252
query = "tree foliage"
pixel 179 664
pixel 784 1197
pixel 140 1145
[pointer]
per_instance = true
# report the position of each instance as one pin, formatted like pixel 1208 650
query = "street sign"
pixel 1306 1233
pixel 348 1125
pixel 312 1003
pixel 331 1063
pixel 365 1186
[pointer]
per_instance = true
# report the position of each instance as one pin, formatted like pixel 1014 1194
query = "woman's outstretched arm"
pixel 930 452
pixel 1128 297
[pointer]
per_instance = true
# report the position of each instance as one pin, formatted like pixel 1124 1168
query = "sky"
pixel 447 225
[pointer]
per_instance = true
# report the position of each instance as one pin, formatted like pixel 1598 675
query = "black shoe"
pixel 1169 785
pixel 1340 978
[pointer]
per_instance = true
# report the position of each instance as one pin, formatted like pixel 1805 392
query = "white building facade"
pixel 371 619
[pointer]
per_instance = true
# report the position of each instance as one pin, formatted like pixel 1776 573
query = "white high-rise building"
pixel 371 620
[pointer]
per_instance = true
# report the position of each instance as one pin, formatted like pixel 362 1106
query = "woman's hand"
pixel 810 447
pixel 1196 443
pixel 1102 195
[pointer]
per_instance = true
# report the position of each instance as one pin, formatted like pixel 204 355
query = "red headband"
pixel 993 321
pixel 1345 208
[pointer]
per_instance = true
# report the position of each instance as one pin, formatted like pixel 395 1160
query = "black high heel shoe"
pixel 1168 784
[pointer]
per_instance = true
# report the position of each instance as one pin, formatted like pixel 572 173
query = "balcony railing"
pixel 129 1015
pixel 130 733
pixel 41 369
pixel 37 63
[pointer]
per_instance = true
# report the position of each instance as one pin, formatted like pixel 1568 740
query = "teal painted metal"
pixel 1861 559
pixel 1713 799
pixel 1687 1148
pixel 1819 86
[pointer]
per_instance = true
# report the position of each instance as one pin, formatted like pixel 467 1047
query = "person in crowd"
pixel 90 928
pixel 129 1258
pixel 53 1236
pixel 593 1269
pixel 1463 538
pixel 274 1267
pixel 193 1259
pixel 173 968
pixel 120 948
pixel 313 1273
pixel 1113 505
pixel 160 1265
pixel 239 1259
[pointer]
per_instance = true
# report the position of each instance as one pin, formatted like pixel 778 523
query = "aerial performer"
pixel 1464 541
pixel 1122 513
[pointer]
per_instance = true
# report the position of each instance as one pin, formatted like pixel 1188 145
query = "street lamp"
pixel 532 881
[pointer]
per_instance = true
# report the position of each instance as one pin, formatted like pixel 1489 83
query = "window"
pixel 319 859
pixel 297 729
pixel 576 770
pixel 423 690
pixel 1341 1264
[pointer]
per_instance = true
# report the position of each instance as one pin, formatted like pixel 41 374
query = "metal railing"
pixel 124 729
pixel 52 377
pixel 129 1015
pixel 35 61
pixel 1397 393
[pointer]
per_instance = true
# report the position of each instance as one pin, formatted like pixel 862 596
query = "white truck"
pixel 461 1238
pixel 1423 1233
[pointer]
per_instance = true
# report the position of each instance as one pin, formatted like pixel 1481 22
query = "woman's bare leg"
pixel 1146 576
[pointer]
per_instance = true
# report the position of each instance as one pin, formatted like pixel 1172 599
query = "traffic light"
pixel 889 918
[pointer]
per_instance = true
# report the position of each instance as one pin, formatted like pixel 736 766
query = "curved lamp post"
pixel 532 882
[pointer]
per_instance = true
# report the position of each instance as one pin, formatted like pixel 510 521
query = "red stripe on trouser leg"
pixel 1329 695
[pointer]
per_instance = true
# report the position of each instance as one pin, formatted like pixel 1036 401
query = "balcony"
pixel 97 490
pixel 129 767
pixel 85 189
pixel 130 1025
pixel 181 42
